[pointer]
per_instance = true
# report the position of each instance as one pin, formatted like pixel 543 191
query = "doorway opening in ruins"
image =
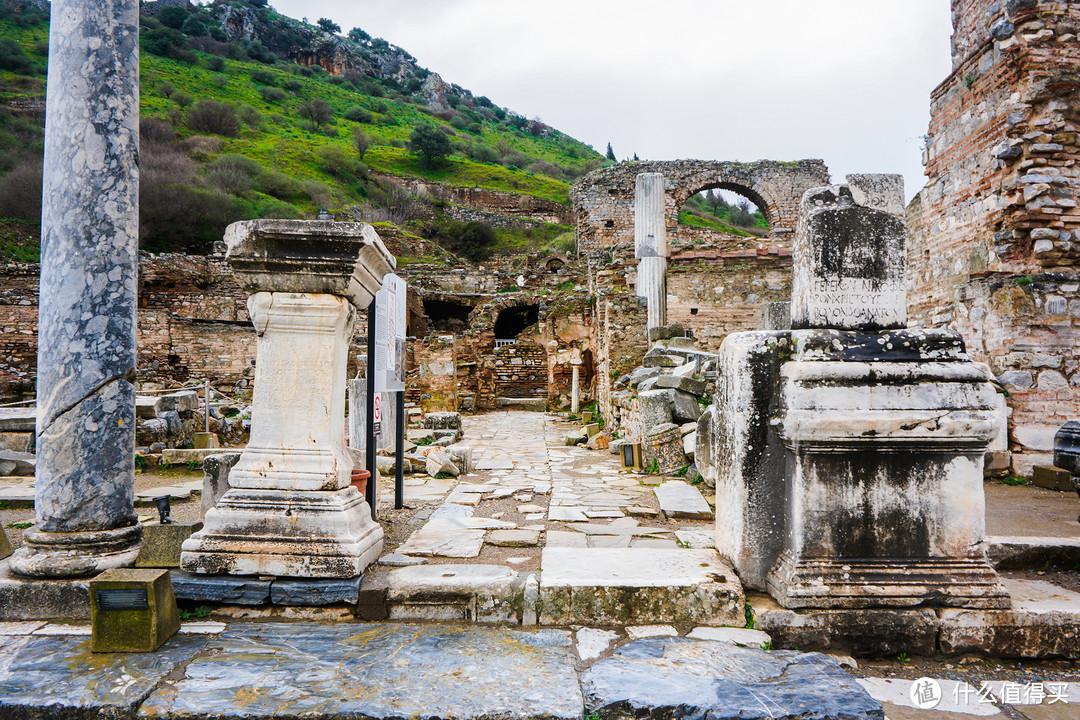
pixel 721 214
pixel 513 321
pixel 446 316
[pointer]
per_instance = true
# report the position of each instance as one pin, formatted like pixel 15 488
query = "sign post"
pixel 389 367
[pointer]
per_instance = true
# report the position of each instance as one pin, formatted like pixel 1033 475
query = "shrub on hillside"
pixel 271 95
pixel 483 153
pixel 358 114
pixel 20 190
pixel 292 85
pixel 251 117
pixel 263 77
pixel 318 111
pixel 338 163
pixel 214 63
pixel 12 56
pixel 234 174
pixel 361 142
pixel 213 117
pixel 279 185
pixel 276 209
pixel 182 99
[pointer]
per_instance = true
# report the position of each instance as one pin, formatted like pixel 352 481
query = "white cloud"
pixel 848 81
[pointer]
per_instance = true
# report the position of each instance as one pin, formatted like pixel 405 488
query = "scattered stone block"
pixel 216 478
pixel 684 407
pixel 661 361
pixel 513 538
pixel 442 421
pixel 663 443
pixel 666 332
pixel 181 402
pixel 1051 478
pixel 698 678
pixel 5 545
pixel 600 441
pixel 1067 447
pixel 160 546
pixel 591 429
pixel 462 456
pixel 147 407
pixel 16 464
pixel 737 636
pixel 685 384
pixel 18 419
pixel 680 500
pixel 132 610
pixel 180 456
pixel 641 374
pixel 229 589
pixel 315 591
pixel 576 437
pixel 1019 553
pixel 439 462
pixel 17 441
pixel 399 560
pixel 637 632
pixel 592 643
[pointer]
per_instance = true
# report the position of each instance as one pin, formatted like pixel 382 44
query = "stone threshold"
pixel 1043 622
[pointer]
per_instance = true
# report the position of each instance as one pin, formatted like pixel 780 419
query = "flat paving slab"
pixel 375 671
pixel 677 677
pixel 58 676
pixel 627 586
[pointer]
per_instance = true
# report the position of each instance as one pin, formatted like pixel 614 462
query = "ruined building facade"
pixel 994 237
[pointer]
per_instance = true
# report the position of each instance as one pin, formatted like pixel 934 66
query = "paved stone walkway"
pixel 554 495
pixel 394 670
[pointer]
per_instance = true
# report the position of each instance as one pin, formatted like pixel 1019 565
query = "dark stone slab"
pixel 678 677
pixel 666 332
pixel 312 591
pixel 887 346
pixel 59 677
pixel 1051 478
pixel 1067 447
pixel 232 589
pixel 376 671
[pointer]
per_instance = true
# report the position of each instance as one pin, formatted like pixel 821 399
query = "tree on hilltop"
pixel 610 153
pixel 328 25
pixel 358 35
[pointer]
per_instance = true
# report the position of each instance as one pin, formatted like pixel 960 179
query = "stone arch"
pixel 604 199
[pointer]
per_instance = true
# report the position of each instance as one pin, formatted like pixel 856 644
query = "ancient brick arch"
pixel 604 199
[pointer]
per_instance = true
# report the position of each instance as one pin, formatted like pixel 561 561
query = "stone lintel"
pixel 309 256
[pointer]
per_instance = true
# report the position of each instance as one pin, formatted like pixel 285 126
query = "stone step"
pixel 536 404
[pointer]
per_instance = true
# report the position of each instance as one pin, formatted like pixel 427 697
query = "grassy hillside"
pixel 231 131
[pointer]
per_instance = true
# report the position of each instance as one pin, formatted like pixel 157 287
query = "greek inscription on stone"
pixel 858 299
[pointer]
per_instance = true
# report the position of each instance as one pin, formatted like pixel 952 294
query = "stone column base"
pixel 76 554
pixel 316 534
pixel 891 582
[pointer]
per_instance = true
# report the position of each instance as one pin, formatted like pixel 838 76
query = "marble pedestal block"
pixel 850 449
pixel 290 510
pixel 883 502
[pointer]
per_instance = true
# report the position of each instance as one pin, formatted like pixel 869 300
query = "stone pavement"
pixel 542 532
pixel 392 670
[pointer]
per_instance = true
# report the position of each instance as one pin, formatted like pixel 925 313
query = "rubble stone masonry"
pixel 994 237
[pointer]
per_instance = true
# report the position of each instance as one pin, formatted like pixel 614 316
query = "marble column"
pixel 650 244
pixel 575 387
pixel 290 509
pixel 86 326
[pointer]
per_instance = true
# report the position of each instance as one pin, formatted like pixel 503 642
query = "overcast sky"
pixel 847 81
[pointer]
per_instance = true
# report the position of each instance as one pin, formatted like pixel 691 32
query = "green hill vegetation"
pixel 711 211
pixel 235 128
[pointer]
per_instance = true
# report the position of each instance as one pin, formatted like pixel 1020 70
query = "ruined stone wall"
pixel 603 200
pixel 993 244
pixel 504 204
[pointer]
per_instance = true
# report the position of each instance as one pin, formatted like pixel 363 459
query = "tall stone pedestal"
pixel 850 449
pixel 290 509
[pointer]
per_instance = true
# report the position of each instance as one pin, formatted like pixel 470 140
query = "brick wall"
pixel 994 237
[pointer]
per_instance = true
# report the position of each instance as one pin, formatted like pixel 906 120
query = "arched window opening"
pixel 722 211
pixel 513 321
